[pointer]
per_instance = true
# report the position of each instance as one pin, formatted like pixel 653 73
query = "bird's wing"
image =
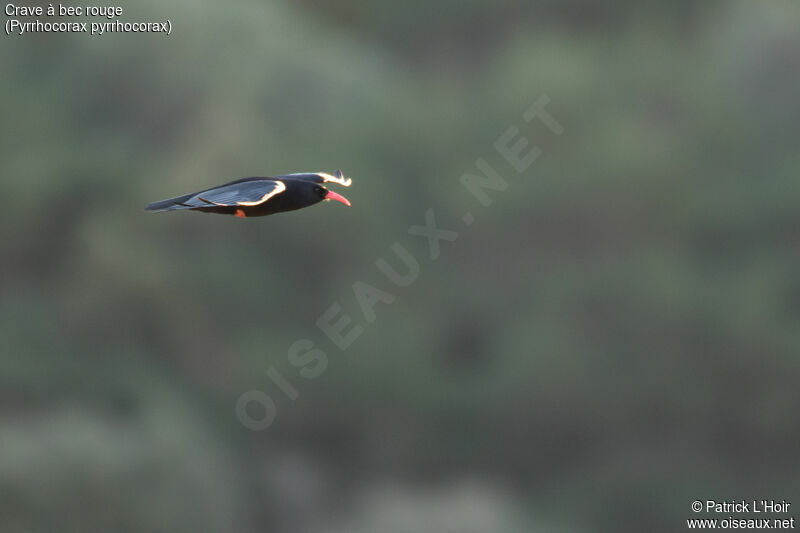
pixel 321 177
pixel 247 193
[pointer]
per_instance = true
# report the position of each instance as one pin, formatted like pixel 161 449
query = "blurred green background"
pixel 615 336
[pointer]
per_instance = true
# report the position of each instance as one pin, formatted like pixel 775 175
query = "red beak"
pixel 338 197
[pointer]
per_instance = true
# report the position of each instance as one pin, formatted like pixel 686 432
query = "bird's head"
pixel 309 188
pixel 338 178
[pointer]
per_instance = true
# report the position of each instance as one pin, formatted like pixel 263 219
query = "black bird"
pixel 258 197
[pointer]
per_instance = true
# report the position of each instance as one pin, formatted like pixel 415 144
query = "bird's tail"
pixel 170 204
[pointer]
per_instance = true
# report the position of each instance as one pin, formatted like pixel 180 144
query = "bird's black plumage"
pixel 254 197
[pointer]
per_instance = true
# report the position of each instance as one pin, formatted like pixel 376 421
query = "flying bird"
pixel 258 197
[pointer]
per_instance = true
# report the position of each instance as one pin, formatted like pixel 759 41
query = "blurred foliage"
pixel 615 336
